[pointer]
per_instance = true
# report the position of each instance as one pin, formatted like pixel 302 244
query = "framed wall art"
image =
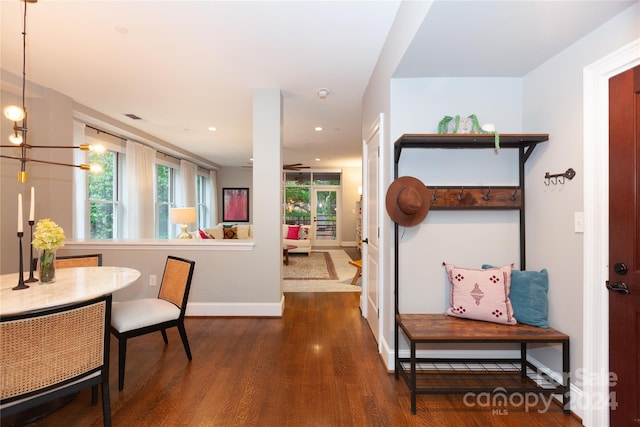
pixel 235 204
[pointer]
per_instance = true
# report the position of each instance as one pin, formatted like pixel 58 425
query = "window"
pixel 104 196
pixel 298 200
pixel 101 210
pixel 202 201
pixel 165 199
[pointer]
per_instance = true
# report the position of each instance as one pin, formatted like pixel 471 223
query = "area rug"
pixel 316 266
pixel 344 270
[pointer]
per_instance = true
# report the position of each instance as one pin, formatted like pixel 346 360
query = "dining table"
pixel 71 285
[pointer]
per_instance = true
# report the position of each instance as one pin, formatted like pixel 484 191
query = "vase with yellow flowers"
pixel 47 238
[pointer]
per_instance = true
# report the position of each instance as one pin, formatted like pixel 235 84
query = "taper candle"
pixel 20 230
pixel 33 204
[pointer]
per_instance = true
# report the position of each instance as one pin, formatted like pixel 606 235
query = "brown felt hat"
pixel 407 201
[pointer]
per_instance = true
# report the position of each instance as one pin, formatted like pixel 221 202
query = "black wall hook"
pixel 558 178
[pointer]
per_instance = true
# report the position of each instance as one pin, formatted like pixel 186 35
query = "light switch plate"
pixel 578 222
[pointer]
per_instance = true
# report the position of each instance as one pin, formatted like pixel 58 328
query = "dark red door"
pixel 624 247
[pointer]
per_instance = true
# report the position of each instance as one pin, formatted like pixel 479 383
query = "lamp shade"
pixel 182 215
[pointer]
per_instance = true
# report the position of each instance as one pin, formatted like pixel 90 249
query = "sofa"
pixel 298 236
pixel 292 235
pixel 225 232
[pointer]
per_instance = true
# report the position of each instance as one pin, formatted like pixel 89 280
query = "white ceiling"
pixel 183 66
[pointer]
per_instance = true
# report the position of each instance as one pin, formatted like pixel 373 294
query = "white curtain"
pixel 213 178
pixel 186 197
pixel 140 170
pixel 80 211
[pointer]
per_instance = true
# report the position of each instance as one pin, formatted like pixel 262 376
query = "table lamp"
pixel 183 216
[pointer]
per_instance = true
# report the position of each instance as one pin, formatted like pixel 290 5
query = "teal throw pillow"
pixel 529 296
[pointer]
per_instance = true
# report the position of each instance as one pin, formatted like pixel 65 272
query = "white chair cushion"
pixel 135 314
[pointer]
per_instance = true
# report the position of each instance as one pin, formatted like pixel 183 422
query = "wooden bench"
pixel 358 265
pixel 464 375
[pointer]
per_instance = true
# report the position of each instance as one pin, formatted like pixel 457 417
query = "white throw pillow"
pixel 244 232
pixel 217 232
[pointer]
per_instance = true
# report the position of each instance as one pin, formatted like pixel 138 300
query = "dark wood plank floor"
pixel 316 366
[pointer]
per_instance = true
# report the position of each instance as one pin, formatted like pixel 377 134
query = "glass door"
pixel 325 216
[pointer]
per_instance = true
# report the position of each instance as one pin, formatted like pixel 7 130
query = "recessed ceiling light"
pixel 317 160
pixel 212 128
pixel 323 93
pixel 318 129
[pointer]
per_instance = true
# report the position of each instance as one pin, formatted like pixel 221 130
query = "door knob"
pixel 620 268
pixel 619 287
pixel 365 240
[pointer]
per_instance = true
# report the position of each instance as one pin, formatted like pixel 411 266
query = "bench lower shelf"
pixel 477 375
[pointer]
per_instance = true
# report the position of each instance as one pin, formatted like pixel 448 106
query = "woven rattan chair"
pixel 51 353
pixel 142 316
pixel 93 260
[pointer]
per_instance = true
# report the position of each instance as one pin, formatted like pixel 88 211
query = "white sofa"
pixel 302 243
pixel 242 232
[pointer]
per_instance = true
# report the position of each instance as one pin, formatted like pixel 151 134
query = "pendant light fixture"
pixel 18 115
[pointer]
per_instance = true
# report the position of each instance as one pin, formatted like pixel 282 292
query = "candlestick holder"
pixel 31 279
pixel 21 284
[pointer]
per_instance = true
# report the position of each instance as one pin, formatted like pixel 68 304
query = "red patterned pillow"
pixel 293 231
pixel 203 235
pixel 481 294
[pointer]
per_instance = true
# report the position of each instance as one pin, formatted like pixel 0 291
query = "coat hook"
pixel 513 196
pixel 486 196
pixel 433 196
pixel 460 195
pixel 559 178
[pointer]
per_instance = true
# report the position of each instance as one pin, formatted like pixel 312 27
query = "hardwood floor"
pixel 316 366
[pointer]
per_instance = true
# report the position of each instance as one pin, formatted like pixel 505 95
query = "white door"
pixel 370 297
pixel 324 216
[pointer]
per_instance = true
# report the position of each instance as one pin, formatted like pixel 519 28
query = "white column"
pixel 267 188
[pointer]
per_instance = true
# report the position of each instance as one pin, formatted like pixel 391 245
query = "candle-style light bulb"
pixel 32 206
pixel 20 229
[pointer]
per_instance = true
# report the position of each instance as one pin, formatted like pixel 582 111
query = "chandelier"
pixel 18 115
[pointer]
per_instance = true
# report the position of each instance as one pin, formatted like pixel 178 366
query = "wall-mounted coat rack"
pixel 558 178
pixel 493 197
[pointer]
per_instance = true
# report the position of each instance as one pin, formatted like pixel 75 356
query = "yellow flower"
pixel 48 235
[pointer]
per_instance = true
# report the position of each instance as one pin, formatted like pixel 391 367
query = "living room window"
pixel 203 189
pixel 165 200
pixel 104 196
pixel 101 200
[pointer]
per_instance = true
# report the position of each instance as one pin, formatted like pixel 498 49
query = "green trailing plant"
pixel 444 124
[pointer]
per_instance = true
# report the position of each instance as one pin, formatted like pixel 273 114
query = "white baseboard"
pixel 248 309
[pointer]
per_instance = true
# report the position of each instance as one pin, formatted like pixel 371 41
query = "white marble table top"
pixel 71 285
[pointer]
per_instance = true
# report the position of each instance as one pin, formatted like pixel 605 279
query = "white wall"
pixel 50 123
pixel 233 177
pixel 351 180
pixel 464 238
pixel 376 101
pixel 553 95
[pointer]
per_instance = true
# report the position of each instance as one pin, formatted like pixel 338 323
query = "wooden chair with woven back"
pixel 69 261
pixel 142 316
pixel 52 353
